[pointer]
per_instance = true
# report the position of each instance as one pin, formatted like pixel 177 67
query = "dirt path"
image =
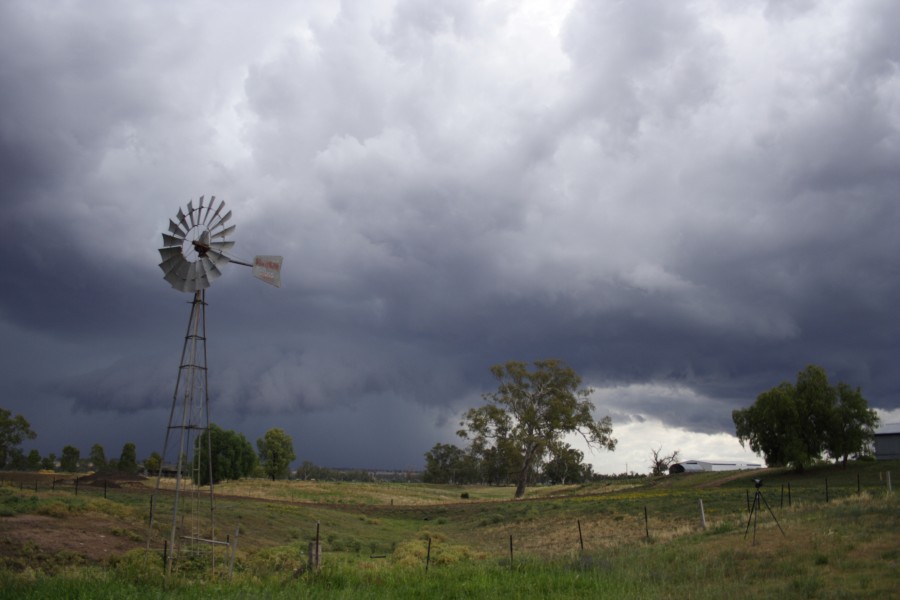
pixel 94 537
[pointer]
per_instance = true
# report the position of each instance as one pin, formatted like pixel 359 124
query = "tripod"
pixel 754 512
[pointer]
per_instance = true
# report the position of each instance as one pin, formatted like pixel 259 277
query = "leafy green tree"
pixel 69 460
pixel 233 456
pixel 446 463
pixel 531 411
pixel 49 462
pixel 34 460
pixel 309 470
pixel 566 465
pixel 13 431
pixel 152 463
pixel 852 425
pixel 128 459
pixel 17 460
pixel 276 452
pixel 791 425
pixel 98 458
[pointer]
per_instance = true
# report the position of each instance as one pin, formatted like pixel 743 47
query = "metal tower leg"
pixel 192 398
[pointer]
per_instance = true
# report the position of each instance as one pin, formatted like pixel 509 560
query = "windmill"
pixel 194 248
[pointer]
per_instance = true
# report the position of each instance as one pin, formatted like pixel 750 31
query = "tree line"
pixel 232 455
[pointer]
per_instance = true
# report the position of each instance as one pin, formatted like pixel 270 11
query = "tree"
pixel 69 460
pixel 660 463
pixel 98 458
pixel 276 452
pixel 34 460
pixel 532 410
pixel 13 431
pixel 446 463
pixel 128 459
pixel 153 463
pixel 233 456
pixel 852 425
pixel 49 462
pixel 793 424
pixel 17 460
pixel 566 465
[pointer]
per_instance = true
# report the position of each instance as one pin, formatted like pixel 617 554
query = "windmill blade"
pixel 169 253
pixel 171 240
pixel 216 214
pixel 210 269
pixel 221 222
pixel 182 220
pixel 174 229
pixel 191 213
pixel 217 257
pixel 172 264
pixel 178 275
pixel 204 219
pixel 221 246
pixel 200 211
pixel 225 232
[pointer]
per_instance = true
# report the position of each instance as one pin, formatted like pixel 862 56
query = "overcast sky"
pixel 688 202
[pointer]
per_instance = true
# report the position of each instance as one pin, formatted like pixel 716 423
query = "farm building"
pixel 887 442
pixel 699 466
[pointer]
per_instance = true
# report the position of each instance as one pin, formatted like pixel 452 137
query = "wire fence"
pixel 511 540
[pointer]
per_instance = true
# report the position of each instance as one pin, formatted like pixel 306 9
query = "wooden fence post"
pixel 237 532
pixel 702 515
pixel 646 523
pixel 428 555
pixel 580 537
pixel 510 553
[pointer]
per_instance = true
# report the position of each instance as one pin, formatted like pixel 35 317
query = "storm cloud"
pixel 687 202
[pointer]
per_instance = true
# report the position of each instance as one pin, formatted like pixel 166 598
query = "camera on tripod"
pixel 758 483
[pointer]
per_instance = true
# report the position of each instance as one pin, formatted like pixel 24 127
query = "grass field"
pixel 616 539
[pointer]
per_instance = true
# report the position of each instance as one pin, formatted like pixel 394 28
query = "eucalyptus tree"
pixel 533 410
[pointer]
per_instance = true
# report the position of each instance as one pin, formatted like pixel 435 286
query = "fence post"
pixel 76 486
pixel 646 523
pixel 889 482
pixel 781 505
pixel 748 500
pixel 702 515
pixel 858 487
pixel 237 532
pixel 789 494
pixel 580 537
pixel 826 490
pixel 315 552
pixel 510 553
pixel 104 489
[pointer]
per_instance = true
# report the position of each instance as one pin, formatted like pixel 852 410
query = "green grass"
pixel 375 548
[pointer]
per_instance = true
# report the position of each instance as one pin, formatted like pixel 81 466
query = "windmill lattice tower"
pixel 194 248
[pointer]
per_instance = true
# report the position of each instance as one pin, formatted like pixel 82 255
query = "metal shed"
pixel 887 442
pixel 699 466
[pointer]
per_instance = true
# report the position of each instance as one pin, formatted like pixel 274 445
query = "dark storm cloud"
pixel 686 202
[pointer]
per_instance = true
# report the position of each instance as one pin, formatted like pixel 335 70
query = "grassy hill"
pixel 638 538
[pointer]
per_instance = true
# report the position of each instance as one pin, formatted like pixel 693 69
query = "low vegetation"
pixel 619 538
